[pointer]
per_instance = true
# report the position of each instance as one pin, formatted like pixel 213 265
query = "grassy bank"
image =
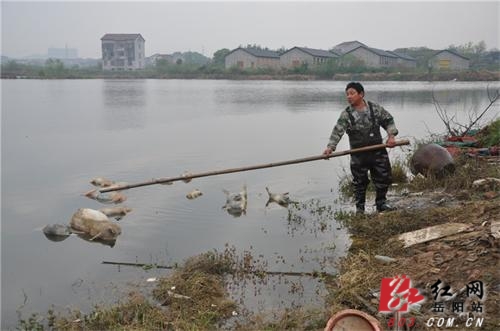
pixel 190 73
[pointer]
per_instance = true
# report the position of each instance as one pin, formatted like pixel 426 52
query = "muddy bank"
pixel 449 245
pixel 456 259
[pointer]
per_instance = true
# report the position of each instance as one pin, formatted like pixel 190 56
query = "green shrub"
pixel 490 134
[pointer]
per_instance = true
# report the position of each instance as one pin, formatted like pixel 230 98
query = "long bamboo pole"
pixel 254 167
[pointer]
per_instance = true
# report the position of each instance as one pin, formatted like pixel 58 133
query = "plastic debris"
pixel 178 296
pixel 194 194
pixel 385 259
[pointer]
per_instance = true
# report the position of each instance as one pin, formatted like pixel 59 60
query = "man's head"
pixel 355 93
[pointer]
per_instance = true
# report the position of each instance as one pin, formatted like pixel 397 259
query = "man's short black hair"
pixel 355 85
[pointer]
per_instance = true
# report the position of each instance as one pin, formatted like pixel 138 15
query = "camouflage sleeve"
pixel 338 130
pixel 386 120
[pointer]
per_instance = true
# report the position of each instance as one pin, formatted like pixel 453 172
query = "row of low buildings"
pixel 127 52
pixel 253 58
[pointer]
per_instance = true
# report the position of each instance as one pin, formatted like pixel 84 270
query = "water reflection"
pixel 56 232
pixel 263 97
pixel 321 96
pixel 125 103
pixel 55 235
pixel 93 240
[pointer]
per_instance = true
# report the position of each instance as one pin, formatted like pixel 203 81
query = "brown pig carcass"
pixel 94 224
pixel 432 159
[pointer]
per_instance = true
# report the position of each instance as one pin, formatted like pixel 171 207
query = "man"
pixel 362 121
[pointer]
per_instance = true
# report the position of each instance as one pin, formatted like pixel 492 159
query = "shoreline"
pixel 468 76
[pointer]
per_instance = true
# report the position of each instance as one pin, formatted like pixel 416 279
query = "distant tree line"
pixel 479 57
pixel 195 65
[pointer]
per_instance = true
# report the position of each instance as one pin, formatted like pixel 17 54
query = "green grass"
pixel 490 134
pixel 399 176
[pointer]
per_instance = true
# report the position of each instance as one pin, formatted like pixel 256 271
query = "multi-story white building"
pixel 121 51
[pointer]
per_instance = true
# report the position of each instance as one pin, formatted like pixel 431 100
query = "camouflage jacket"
pixel 351 120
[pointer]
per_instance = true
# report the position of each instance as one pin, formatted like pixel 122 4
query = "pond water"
pixel 57 135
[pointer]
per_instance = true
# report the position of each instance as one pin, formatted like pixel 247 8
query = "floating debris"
pixel 236 203
pixel 101 182
pixel 186 175
pixel 194 194
pixel 107 197
pixel 281 199
pixel 117 212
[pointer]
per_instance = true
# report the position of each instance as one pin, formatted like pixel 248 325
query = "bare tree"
pixel 455 128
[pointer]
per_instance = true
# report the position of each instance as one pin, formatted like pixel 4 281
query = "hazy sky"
pixel 31 27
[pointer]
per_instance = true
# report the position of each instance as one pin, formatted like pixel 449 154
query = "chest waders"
pixel 376 162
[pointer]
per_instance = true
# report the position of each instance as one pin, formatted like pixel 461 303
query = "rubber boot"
pixel 381 201
pixel 360 197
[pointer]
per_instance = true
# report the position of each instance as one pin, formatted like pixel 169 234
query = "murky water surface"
pixel 58 135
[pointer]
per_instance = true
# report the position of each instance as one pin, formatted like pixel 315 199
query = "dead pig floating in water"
pixel 236 203
pixel 93 225
pixel 117 212
pixel 432 159
pixel 106 197
pixel 89 224
pixel 194 194
pixel 281 199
